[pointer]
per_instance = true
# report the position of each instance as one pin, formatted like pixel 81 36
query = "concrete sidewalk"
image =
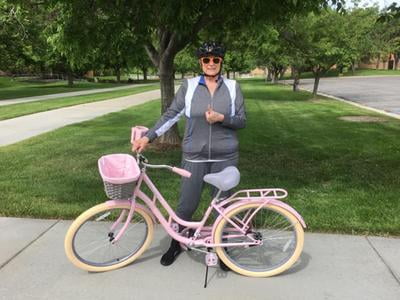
pixel 68 94
pixel 33 266
pixel 21 128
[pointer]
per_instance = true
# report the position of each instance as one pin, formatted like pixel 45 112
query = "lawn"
pixel 359 72
pixel 341 176
pixel 17 110
pixel 14 88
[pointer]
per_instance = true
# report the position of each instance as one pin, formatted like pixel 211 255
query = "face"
pixel 211 65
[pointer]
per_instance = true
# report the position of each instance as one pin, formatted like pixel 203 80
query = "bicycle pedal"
pixel 211 259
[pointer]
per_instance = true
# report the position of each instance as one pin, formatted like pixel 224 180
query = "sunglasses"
pixel 206 60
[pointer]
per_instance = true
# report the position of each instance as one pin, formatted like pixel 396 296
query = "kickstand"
pixel 205 282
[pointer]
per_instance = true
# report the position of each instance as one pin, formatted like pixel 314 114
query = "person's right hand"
pixel 140 144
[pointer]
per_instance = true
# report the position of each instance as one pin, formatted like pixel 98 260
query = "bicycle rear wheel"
pixel 89 243
pixel 281 234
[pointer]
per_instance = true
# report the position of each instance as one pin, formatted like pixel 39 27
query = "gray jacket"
pixel 203 141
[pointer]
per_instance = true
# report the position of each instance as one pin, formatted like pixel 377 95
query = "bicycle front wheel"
pixel 280 232
pixel 90 245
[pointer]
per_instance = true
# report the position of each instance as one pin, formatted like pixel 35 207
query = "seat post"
pixel 217 195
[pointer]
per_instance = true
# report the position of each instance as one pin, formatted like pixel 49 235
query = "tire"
pixel 88 242
pixel 282 235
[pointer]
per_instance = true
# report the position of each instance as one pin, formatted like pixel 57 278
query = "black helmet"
pixel 210 48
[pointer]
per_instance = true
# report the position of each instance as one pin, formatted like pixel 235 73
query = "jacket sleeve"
pixel 171 115
pixel 237 121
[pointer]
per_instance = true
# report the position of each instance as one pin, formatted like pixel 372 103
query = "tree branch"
pixel 153 54
pixel 165 37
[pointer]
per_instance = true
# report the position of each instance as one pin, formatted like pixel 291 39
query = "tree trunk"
pixel 317 76
pixel 144 70
pixel 182 75
pixel 269 74
pixel 378 62
pixel 275 75
pixel 118 73
pixel 234 75
pixel 340 68
pixel 167 96
pixel 396 61
pixel 296 79
pixel 282 73
pixel 70 77
pixel 353 68
pixel 228 74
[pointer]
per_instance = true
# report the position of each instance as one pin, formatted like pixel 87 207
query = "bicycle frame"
pixel 262 196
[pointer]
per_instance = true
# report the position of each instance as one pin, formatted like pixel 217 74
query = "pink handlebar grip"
pixel 181 172
pixel 138 132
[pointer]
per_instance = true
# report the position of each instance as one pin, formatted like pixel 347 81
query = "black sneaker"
pixel 169 257
pixel 223 266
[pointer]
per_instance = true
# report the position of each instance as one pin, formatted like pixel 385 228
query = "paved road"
pixel 68 94
pixel 380 92
pixel 33 266
pixel 21 128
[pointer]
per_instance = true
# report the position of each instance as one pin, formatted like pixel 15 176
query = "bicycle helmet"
pixel 210 49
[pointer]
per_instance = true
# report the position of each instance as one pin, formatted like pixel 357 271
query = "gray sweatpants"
pixel 192 187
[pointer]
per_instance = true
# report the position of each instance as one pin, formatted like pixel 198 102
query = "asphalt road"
pixel 380 92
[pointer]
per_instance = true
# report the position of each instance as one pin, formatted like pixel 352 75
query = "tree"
pixel 319 39
pixel 22 44
pixel 270 51
pixel 167 27
pixel 185 62
pixel 388 25
pixel 357 25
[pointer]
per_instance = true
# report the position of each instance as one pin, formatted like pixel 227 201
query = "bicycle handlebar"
pixel 143 160
pixel 181 172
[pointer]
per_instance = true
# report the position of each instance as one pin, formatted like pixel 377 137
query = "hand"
pixel 140 144
pixel 213 116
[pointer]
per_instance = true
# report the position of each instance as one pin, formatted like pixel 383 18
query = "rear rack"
pixel 259 193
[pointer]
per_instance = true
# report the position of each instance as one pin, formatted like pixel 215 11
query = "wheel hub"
pixel 258 236
pixel 111 236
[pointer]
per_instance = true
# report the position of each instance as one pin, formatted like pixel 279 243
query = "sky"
pixel 381 3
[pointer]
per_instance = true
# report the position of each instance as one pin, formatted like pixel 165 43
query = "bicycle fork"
pixel 111 235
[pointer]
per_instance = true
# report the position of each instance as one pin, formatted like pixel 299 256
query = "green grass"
pixel 359 72
pixel 17 110
pixel 341 176
pixel 13 88
pixel 372 72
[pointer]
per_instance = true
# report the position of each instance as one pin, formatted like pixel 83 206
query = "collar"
pixel 202 79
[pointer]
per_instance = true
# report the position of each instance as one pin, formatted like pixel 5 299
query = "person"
pixel 214 109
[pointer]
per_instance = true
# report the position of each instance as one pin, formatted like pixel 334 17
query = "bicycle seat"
pixel 225 180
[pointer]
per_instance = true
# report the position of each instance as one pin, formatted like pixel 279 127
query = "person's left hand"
pixel 213 116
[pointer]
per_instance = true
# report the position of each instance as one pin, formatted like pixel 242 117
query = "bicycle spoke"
pixel 94 241
pixel 273 229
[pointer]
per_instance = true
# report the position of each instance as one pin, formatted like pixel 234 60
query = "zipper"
pixel 210 131
pixel 210 126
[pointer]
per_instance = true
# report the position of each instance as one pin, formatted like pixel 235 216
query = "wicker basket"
pixel 119 191
pixel 119 173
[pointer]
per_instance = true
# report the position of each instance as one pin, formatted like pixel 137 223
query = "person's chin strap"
pixel 213 76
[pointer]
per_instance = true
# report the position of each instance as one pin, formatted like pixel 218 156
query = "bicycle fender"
pixel 289 209
pixel 127 202
pixel 261 201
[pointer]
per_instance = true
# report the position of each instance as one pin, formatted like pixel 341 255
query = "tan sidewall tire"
pixel 88 214
pixel 284 267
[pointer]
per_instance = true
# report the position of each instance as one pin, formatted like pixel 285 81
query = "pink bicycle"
pixel 254 234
